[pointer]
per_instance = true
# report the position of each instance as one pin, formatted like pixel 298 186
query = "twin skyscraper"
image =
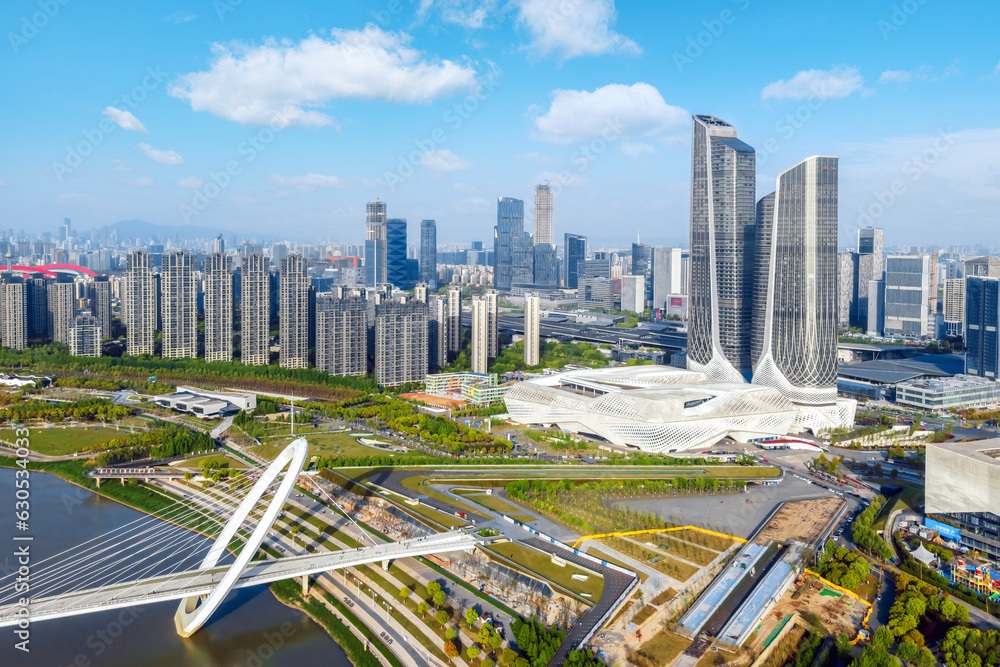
pixel 763 302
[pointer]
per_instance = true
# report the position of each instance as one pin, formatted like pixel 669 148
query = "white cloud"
pixel 311 181
pixel 163 157
pixel 533 156
pixel 192 182
pixel 442 160
pixel 922 73
pixel 70 197
pixel 614 111
pixel 119 165
pixel 141 182
pixel 125 120
pixel 572 28
pixel 179 17
pixel 839 81
pixel 282 83
pixel 471 14
pixel 635 150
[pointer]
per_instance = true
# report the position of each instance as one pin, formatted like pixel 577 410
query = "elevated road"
pixel 202 582
pixel 593 333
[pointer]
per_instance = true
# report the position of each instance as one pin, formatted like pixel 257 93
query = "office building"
pixel 795 347
pixel 61 308
pixel 667 265
pixel 954 306
pixel 341 335
pixel 140 303
pixel 454 319
pixel 395 234
pixel 596 268
pixel 596 293
pixel 400 343
pixel 480 352
pixel 983 267
pixel 218 245
pixel 179 306
pixel 218 307
pixel 37 293
pixel 642 265
pixel 279 251
pixel 100 303
pixel 293 316
pixel 723 212
pixel 907 288
pixel 13 312
pixel 870 242
pixel 510 226
pixel 532 338
pixel 523 251
pixel 437 332
pixel 876 308
pixel 545 266
pixel 428 253
pixel 633 294
pixel 864 273
pixel 845 288
pixel 376 249
pixel 85 336
pixel 982 326
pixel 544 215
pixel 574 254
pixel 255 310
pixel 963 485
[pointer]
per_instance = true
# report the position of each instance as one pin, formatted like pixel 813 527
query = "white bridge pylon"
pixel 193 612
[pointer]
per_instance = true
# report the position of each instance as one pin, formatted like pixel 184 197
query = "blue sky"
pixel 284 118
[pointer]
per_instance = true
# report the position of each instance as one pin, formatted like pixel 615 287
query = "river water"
pixel 250 629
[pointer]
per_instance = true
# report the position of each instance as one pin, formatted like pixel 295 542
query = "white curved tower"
pixel 194 612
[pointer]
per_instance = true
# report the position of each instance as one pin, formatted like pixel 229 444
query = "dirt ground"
pixel 838 614
pixel 801 520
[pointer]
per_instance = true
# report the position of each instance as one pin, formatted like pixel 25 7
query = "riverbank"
pixel 149 501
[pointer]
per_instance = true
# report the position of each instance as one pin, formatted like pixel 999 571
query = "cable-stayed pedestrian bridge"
pixel 150 560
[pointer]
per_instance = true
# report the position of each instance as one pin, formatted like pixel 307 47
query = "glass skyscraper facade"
pixel 544 215
pixel 376 272
pixel 395 243
pixel 723 212
pixel 794 337
pixel 982 324
pixel 575 254
pixel 428 252
pixel 508 231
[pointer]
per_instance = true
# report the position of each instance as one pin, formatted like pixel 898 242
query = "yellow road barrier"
pixel 864 621
pixel 658 530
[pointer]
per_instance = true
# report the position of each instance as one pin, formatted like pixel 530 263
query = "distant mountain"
pixel 141 229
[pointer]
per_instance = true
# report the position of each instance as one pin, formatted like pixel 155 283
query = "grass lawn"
pixel 416 483
pixel 660 650
pixel 59 441
pixel 651 557
pixel 497 505
pixel 541 564
pixel 663 597
pixel 326 444
pixel 614 561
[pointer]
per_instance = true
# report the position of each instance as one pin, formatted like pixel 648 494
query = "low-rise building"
pixel 940 394
pixel 203 403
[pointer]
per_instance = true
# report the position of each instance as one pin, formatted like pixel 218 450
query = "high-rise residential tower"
pixel 480 352
pixel 13 312
pixel 61 305
pixel 454 319
pixel 395 234
pixel 428 253
pixel 85 336
pixel 179 305
pixel 293 316
pixel 723 195
pixel 544 215
pixel 532 344
pixel 575 254
pixel 376 271
pixel 37 293
pixel 795 346
pixel 954 306
pixel 140 303
pixel 341 335
pixel 255 309
pixel 400 342
pixel 493 311
pixel 437 331
pixel 100 303
pixel 218 307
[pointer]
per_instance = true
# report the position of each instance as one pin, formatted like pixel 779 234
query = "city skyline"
pixel 544 93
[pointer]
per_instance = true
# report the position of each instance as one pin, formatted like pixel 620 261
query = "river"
pixel 251 629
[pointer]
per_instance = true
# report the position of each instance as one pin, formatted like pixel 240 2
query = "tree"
pixel 422 609
pixel 404 593
pixel 441 617
pixel 439 598
pixel 486 663
pixel 507 657
pixel 433 587
pixel 451 649
pixel 450 633
pixel 522 662
pixel 908 652
pixel 471 616
pixel 472 652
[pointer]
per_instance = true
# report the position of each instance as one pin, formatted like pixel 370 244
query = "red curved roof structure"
pixel 50 270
